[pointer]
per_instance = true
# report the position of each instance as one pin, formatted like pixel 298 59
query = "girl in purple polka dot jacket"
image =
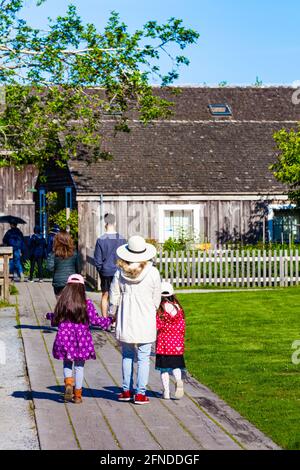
pixel 73 315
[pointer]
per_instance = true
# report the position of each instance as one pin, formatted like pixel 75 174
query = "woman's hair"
pixel 71 305
pixel 131 269
pixel 37 230
pixel 170 298
pixel 63 245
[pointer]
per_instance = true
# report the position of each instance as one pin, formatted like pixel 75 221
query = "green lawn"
pixel 240 345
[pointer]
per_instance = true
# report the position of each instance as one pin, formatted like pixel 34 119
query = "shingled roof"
pixel 193 151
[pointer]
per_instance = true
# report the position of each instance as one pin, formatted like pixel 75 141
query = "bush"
pixel 46 274
pixel 60 218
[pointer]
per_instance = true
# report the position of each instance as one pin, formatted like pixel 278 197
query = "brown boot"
pixel 69 383
pixel 77 396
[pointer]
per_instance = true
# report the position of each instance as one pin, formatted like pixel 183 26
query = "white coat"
pixel 137 300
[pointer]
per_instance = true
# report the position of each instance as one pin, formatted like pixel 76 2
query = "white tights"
pixel 165 378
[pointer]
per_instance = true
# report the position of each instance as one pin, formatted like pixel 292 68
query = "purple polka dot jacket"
pixel 74 341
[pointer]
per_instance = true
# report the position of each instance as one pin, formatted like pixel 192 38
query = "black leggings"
pixel 39 262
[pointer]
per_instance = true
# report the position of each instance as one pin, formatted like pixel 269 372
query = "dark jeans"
pixel 33 261
pixel 15 264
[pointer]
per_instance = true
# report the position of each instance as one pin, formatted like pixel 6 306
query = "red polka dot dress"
pixel 170 325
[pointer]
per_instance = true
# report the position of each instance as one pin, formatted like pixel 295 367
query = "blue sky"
pixel 239 39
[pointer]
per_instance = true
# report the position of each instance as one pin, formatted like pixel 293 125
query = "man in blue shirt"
pixel 105 257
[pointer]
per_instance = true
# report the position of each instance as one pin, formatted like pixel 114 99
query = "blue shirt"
pixel 105 256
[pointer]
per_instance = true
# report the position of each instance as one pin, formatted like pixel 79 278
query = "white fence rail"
pixel 222 268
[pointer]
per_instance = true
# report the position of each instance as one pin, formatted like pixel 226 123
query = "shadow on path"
pixel 109 393
pixel 44 328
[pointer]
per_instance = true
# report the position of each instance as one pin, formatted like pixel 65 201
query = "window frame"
pixel 271 214
pixel 194 208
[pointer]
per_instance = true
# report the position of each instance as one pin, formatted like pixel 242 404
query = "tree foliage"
pixel 60 83
pixel 287 167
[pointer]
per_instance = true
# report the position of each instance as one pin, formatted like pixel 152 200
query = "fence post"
pixel 226 268
pixel 166 255
pixel 172 267
pixel 270 268
pixel 199 268
pixel 243 267
pixel 221 267
pixel 6 277
pixel 193 269
pixel 215 268
pixel 291 267
pixel 286 269
pixel 160 260
pixel 188 270
pixel 204 268
pixel 281 268
pixel 177 269
pixel 275 268
pixel 232 267
pixel 209 268
pixel 253 268
pixel 182 269
pixel 248 269
pixel 258 268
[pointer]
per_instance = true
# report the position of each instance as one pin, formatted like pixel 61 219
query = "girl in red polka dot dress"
pixel 170 325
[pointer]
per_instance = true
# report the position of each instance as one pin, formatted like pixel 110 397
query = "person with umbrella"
pixel 14 238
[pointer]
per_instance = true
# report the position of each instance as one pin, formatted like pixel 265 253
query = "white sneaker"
pixel 166 395
pixel 179 392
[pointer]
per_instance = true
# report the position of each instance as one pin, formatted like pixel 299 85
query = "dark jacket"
pixel 37 246
pixel 105 256
pixel 14 237
pixel 62 268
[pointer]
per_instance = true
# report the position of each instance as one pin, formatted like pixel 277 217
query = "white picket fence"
pixel 222 268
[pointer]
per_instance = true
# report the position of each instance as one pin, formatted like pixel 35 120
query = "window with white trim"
pixel 286 225
pixel 175 219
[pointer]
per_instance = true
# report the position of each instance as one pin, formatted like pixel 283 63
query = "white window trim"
pixel 271 209
pixel 179 207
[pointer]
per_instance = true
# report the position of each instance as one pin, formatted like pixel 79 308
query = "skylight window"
pixel 220 109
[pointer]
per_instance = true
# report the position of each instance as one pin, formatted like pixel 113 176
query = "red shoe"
pixel 140 399
pixel 125 396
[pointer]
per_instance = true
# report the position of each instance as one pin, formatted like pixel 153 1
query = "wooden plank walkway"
pixel 199 421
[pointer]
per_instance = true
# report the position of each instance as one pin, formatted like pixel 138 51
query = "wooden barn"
pixel 204 170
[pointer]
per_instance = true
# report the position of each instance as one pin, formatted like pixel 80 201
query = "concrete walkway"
pixel 199 421
pixel 17 424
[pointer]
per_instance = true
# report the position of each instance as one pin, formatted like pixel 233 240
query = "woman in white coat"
pixel 135 295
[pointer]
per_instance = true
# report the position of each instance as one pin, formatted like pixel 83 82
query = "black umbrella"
pixel 11 219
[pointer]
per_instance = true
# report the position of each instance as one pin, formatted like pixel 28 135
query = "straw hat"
pixel 136 250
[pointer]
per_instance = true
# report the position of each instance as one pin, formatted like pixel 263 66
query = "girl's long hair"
pixel 170 298
pixel 71 305
pixel 63 245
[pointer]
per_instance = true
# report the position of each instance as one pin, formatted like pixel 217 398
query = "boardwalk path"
pixel 199 421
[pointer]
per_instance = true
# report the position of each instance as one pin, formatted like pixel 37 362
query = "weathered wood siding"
pixel 15 198
pixel 220 221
